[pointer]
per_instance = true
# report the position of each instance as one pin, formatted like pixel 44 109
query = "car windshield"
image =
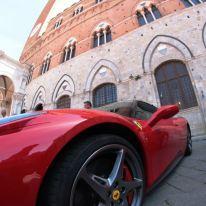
pixel 18 117
pixel 134 109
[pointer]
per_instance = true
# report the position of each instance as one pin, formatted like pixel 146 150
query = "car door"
pixel 161 145
pixel 162 136
pixel 180 134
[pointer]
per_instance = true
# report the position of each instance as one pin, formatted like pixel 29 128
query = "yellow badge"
pixel 116 195
pixel 138 125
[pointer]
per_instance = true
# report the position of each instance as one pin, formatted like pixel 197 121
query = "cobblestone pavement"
pixel 186 185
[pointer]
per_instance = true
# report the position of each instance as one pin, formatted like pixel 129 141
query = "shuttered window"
pixel 104 94
pixel 64 102
pixel 174 85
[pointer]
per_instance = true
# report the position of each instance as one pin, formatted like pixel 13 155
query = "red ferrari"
pixel 89 157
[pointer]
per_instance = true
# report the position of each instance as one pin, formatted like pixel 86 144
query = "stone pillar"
pixel 16 104
pixel 66 52
pixel 150 10
pixel 105 36
pixel 43 68
pixel 142 12
pixel 71 51
pixel 191 3
pixel 98 38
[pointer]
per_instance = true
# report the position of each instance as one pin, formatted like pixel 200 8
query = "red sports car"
pixel 89 157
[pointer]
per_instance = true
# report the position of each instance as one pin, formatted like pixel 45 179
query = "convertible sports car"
pixel 89 157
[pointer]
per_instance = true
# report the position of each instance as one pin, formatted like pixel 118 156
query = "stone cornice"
pixel 4 56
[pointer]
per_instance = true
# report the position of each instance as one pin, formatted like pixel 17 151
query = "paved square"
pixel 186 185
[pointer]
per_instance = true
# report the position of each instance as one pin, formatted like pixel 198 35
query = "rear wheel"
pixel 189 143
pixel 104 170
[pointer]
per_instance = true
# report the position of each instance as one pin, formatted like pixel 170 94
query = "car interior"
pixel 135 109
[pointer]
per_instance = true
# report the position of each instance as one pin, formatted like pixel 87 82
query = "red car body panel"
pixel 29 146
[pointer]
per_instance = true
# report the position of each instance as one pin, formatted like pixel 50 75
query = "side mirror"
pixel 163 112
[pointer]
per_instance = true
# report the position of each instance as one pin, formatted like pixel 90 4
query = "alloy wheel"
pixel 111 176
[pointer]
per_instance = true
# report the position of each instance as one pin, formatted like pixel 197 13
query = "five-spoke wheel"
pixel 104 170
pixel 112 176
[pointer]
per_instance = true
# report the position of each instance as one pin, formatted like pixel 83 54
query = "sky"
pixel 17 18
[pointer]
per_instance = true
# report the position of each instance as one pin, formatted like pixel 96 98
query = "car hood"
pixel 76 116
pixel 19 121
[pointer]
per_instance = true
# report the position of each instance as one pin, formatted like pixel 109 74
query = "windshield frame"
pixel 17 117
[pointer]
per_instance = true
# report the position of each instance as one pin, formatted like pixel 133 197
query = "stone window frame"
pixel 102 34
pixel 96 67
pixel 78 10
pixel 39 97
pixel 63 101
pixel 107 97
pixel 180 77
pixel 46 63
pixel 69 50
pixel 58 23
pixel 147 12
pixel 69 91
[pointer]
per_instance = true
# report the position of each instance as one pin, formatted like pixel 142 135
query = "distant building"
pixel 106 51
pixel 13 80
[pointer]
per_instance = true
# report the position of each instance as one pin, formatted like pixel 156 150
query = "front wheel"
pixel 104 170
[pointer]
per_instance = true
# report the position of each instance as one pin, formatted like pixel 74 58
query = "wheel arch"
pixel 188 126
pixel 103 128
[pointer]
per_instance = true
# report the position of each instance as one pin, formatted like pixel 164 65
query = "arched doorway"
pixel 104 94
pixel 39 107
pixel 64 102
pixel 174 85
pixel 6 93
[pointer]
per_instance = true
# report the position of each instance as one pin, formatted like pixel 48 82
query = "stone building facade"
pixel 106 51
pixel 13 81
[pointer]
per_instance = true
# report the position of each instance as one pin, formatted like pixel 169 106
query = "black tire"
pixel 188 150
pixel 64 185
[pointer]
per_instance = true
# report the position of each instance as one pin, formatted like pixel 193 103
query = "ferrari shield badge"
pixel 138 125
pixel 116 195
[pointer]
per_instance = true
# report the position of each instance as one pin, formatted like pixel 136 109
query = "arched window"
pixel 78 10
pixel 174 85
pixel 189 3
pixel 104 94
pixel 69 52
pixel 95 43
pixel 108 35
pixel 140 19
pixel 147 15
pixel 46 64
pixel 58 23
pixel 64 102
pixel 102 37
pixel 156 12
